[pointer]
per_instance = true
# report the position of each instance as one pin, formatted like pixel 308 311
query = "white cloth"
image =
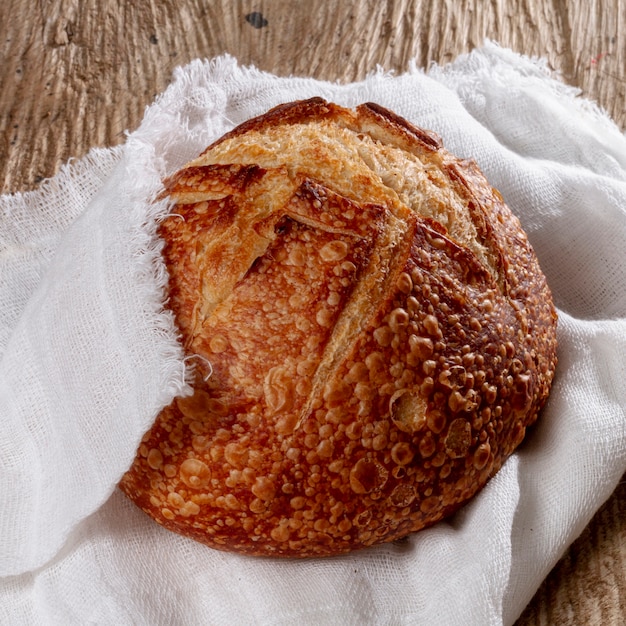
pixel 89 355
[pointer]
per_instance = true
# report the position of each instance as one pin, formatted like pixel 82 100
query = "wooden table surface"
pixel 78 73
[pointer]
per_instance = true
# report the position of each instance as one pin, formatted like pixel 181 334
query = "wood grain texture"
pixel 76 74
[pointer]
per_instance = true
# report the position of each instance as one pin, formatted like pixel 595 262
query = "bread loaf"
pixel 372 329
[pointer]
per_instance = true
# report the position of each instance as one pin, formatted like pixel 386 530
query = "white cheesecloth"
pixel 89 354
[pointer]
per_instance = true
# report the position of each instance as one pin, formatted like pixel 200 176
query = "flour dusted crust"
pixel 372 329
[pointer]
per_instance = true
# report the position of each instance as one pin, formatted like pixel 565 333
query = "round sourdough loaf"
pixel 372 329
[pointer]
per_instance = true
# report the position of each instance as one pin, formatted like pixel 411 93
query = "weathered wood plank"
pixel 78 73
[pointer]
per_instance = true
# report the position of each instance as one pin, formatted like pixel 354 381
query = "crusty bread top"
pixel 374 329
pixel 370 153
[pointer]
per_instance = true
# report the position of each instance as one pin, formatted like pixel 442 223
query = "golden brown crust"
pixel 374 329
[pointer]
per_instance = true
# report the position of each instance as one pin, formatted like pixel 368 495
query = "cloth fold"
pixel 89 354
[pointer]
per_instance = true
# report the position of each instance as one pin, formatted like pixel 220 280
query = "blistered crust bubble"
pixel 374 331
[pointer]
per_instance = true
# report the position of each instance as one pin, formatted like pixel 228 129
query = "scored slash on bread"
pixel 376 327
